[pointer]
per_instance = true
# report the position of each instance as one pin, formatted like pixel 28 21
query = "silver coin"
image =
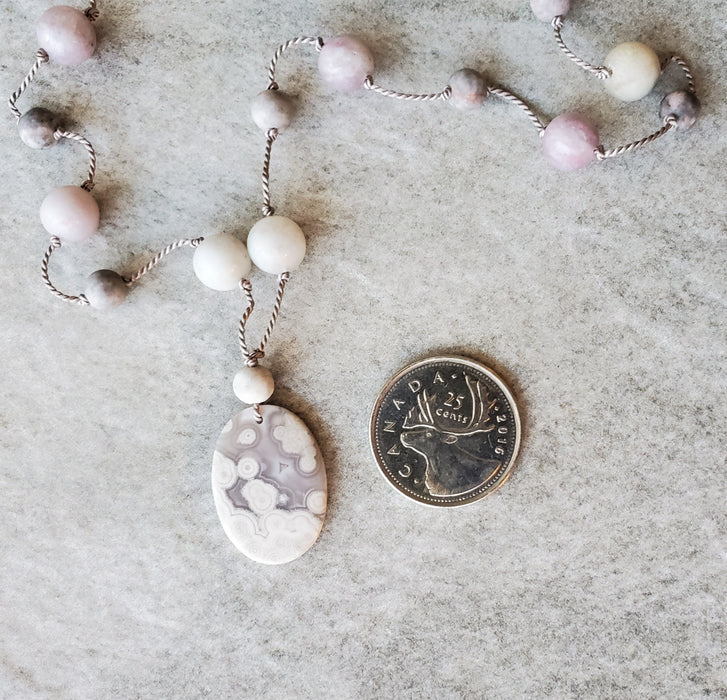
pixel 445 431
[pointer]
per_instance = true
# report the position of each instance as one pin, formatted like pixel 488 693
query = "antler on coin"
pixel 423 411
pixel 480 410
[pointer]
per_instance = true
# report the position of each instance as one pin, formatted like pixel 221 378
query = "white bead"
pixel 253 384
pixel 635 68
pixel 70 213
pixel 276 244
pixel 221 261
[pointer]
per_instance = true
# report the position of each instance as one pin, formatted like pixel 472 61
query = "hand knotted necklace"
pixel 445 431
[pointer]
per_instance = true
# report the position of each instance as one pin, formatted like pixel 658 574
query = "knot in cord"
pixel 253 357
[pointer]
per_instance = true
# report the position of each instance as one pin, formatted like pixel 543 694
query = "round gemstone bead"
pixel 272 109
pixel 469 89
pixel 221 261
pixel 105 289
pixel 635 68
pixel 682 105
pixel 344 63
pixel 253 384
pixel 545 10
pixel 276 244
pixel 37 126
pixel 66 34
pixel 570 141
pixel 70 213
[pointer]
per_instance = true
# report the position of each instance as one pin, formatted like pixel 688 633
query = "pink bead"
pixel 570 141
pixel 545 10
pixel 344 63
pixel 66 34
pixel 70 213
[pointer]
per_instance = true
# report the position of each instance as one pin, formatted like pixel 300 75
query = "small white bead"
pixel 70 213
pixel 221 261
pixel 635 68
pixel 253 384
pixel 276 244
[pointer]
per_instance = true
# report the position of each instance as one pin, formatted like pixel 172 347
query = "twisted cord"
pixel 369 84
pixel 669 124
pixel 246 287
pixel 678 60
pixel 92 11
pixel 282 282
pixel 514 99
pixel 191 242
pixel 601 72
pixel 251 357
pixel 315 40
pixel 270 136
pixel 89 183
pixel 55 243
pixel 41 57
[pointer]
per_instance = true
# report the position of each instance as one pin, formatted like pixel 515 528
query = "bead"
pixel 276 244
pixel 683 105
pixel 469 89
pixel 70 213
pixel 221 261
pixel 272 109
pixel 570 140
pixel 253 384
pixel 635 68
pixel 344 63
pixel 37 126
pixel 105 289
pixel 545 10
pixel 66 34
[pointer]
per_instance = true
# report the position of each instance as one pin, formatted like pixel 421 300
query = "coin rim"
pixel 456 359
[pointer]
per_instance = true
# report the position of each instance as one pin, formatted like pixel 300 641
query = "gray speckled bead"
pixel 683 105
pixel 37 126
pixel 105 289
pixel 272 109
pixel 469 89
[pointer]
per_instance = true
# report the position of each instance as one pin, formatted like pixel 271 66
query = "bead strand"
pixel 276 244
pixel 70 213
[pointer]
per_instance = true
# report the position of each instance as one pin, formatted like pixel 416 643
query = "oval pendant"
pixel 269 485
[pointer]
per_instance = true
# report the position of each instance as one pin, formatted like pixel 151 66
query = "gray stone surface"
pixel 598 570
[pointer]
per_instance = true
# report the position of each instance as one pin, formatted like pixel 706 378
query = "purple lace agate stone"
pixel 570 141
pixel 66 34
pixel 344 63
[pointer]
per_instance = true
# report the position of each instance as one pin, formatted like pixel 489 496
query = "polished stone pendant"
pixel 269 485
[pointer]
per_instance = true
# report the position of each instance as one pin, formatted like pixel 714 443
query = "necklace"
pixel 449 437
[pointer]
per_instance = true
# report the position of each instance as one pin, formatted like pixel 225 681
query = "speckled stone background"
pixel 598 571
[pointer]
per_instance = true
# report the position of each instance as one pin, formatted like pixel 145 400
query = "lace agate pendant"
pixel 269 485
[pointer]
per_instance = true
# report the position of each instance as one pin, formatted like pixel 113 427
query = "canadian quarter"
pixel 445 431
